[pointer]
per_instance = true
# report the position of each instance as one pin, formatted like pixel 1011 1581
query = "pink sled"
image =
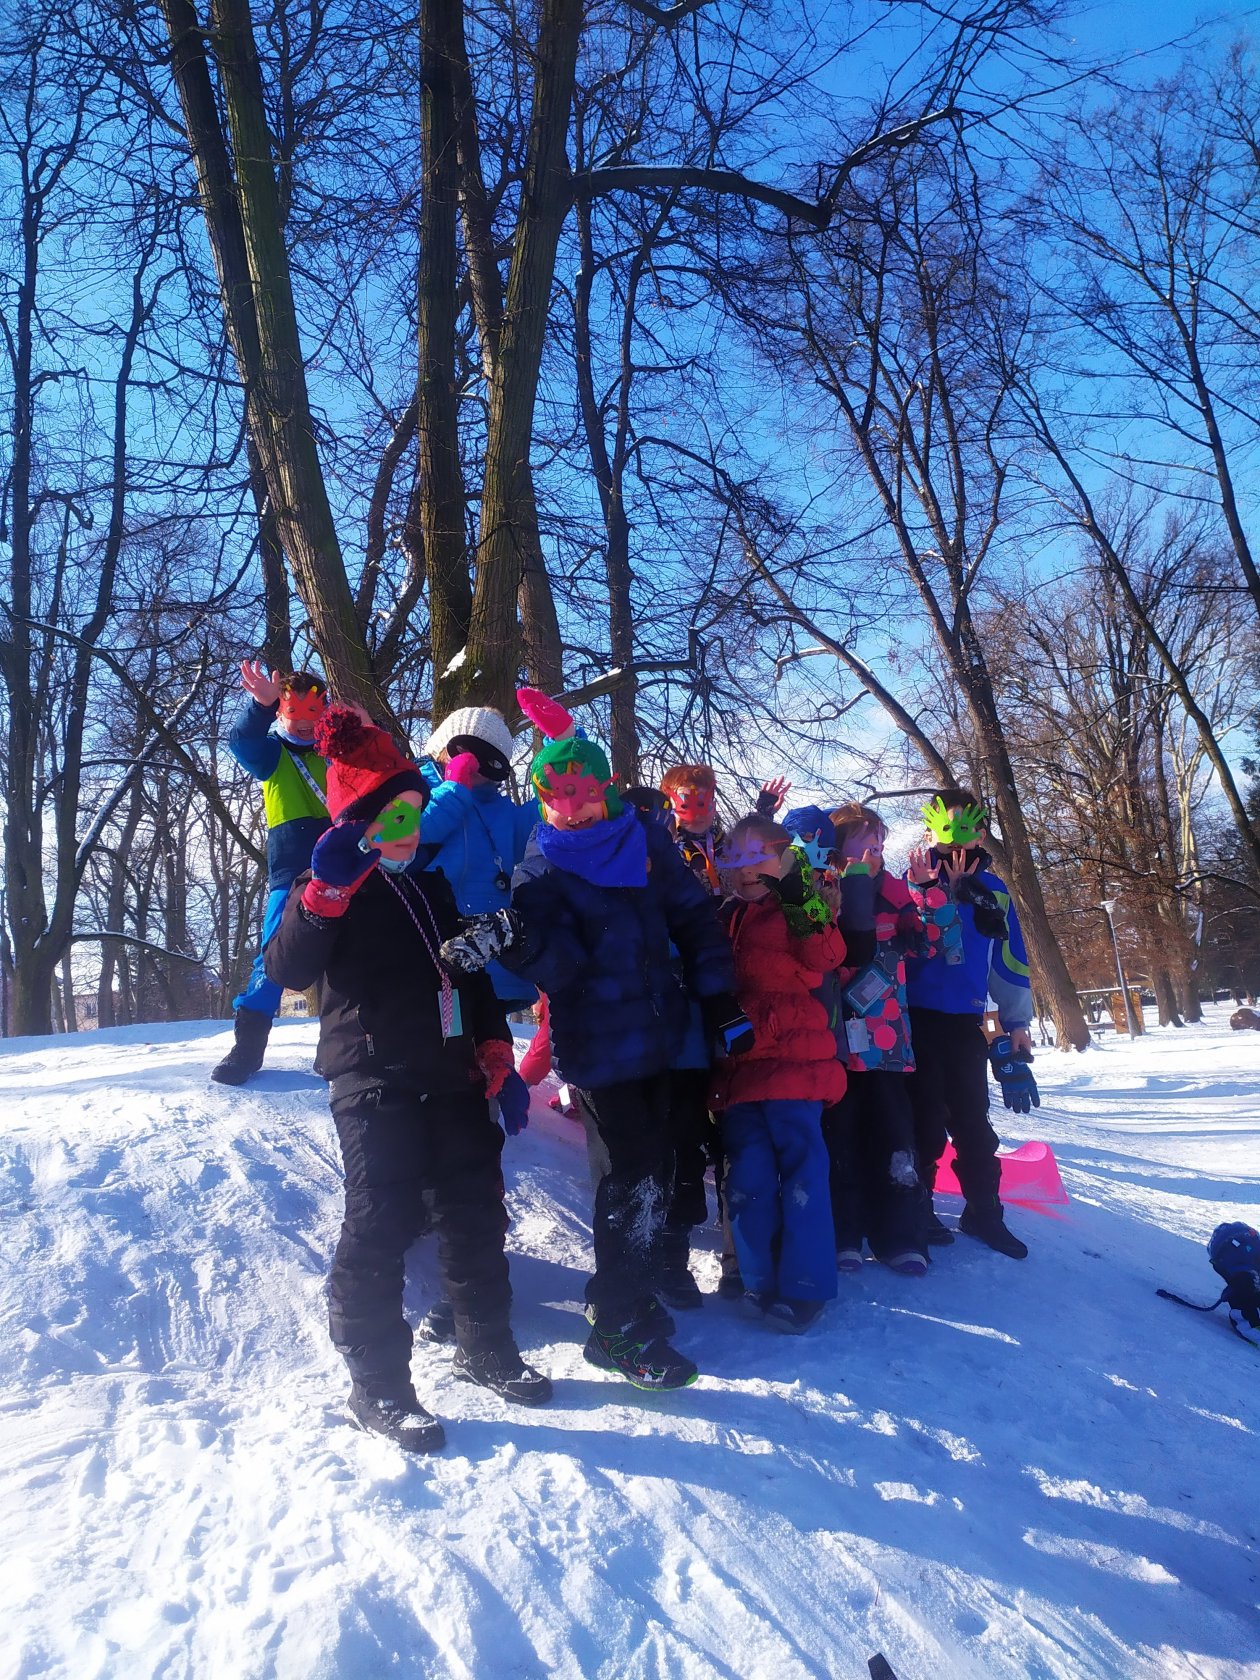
pixel 1030 1176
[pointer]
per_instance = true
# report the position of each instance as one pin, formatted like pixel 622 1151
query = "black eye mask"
pixel 490 761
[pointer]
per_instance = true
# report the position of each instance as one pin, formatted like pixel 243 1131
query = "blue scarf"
pixel 612 853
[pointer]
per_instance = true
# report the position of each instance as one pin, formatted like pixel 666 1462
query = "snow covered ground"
pixel 1009 1469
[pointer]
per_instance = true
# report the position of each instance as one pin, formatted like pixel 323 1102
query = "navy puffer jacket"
pixel 619 1009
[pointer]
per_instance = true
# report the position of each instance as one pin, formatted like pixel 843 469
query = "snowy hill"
pixel 1032 1469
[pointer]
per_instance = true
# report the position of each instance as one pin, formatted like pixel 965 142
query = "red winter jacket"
pixel 776 974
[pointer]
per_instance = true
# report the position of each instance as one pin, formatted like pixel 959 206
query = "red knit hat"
pixel 365 768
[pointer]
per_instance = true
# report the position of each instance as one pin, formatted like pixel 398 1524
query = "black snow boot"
pixel 675 1284
pixel 502 1369
pixel 642 1356
pixel 399 1418
pixel 984 1221
pixel 438 1324
pixel 935 1231
pixel 244 1059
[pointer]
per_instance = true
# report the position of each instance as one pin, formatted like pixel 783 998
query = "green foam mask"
pixel 400 820
pixel 959 827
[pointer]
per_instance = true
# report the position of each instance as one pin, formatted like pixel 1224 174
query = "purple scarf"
pixel 612 853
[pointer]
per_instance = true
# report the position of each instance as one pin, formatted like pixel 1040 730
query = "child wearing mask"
pixel 979 953
pixel 272 738
pixel 411 1063
pixel 604 915
pixel 876 1192
pixel 771 1099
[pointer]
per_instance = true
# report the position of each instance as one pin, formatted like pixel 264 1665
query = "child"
pixel 471 828
pixel 410 1062
pixel 599 906
pixel 271 738
pixel 876 1193
pixel 979 952
pixel 772 1098
pixel 691 790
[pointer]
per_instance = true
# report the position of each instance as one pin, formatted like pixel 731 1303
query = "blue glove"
pixel 1013 1074
pixel 339 865
pixel 513 1100
pixel 726 1026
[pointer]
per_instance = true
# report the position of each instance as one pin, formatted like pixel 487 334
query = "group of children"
pixel 771 1001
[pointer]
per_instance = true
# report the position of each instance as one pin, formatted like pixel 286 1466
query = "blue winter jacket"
pixel 619 1008
pixel 471 834
pixel 296 812
pixel 965 969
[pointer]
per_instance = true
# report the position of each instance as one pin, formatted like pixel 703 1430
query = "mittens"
pixel 726 1027
pixel 1010 1067
pixel 986 911
pixel 514 1104
pixel 496 1062
pixel 463 768
pixel 339 866
pixel 482 940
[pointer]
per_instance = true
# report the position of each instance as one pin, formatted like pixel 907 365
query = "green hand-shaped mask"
pixel 959 827
pixel 400 820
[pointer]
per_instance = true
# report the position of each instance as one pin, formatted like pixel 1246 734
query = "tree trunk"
pixel 489 672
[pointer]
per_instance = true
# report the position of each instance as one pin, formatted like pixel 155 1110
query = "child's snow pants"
pixel 778 1193
pixel 632 1122
pixel 875 1188
pixel 949 1091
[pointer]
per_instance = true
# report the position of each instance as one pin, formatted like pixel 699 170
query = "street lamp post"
pixel 1107 907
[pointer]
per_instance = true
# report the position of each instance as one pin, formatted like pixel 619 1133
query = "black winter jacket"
pixel 379 1015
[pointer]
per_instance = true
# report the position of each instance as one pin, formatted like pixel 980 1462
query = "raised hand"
pixel 482 939
pixel 772 795
pixel 339 867
pixel 956 866
pixel 923 867
pixel 259 683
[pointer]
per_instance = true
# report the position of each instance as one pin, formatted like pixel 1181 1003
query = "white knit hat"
pixel 483 723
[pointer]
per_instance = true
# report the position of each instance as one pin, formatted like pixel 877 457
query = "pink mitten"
pixel 555 720
pixel 463 768
pixel 496 1061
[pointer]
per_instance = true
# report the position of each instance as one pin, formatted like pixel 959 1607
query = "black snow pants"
pixel 632 1119
pixel 875 1189
pixel 950 1093
pixel 414 1164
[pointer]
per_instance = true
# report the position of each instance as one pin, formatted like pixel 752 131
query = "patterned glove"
pixel 514 1104
pixel 1013 1074
pixel 985 909
pixel 483 939
pixel 339 867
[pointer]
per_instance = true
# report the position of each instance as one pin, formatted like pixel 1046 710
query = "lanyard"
pixel 447 1002
pixel 300 765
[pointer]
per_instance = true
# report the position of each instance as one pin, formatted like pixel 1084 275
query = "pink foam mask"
pixel 570 792
pixel 693 806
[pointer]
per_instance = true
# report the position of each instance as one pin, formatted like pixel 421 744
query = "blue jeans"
pixel 779 1197
pixel 260 993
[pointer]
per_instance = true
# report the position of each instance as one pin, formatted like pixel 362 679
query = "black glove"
pixel 1242 1292
pixel 481 940
pixel 726 1027
pixel 789 890
pixel 990 922
pixel 1019 1088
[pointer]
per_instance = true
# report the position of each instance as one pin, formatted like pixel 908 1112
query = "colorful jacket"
pixel 476 837
pixel 777 973
pixel 965 968
pixel 883 923
pixel 617 1004
pixel 296 813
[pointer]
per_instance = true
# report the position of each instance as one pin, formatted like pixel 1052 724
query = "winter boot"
pixel 643 1357
pixel 504 1371
pixel 849 1259
pixel 984 1221
pixel 244 1059
pixel 908 1263
pixel 399 1418
pixel 675 1284
pixel 438 1324
pixel 654 1317
pixel 935 1231
pixel 794 1316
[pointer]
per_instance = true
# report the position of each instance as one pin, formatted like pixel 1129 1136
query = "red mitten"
pixel 496 1061
pixel 463 768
